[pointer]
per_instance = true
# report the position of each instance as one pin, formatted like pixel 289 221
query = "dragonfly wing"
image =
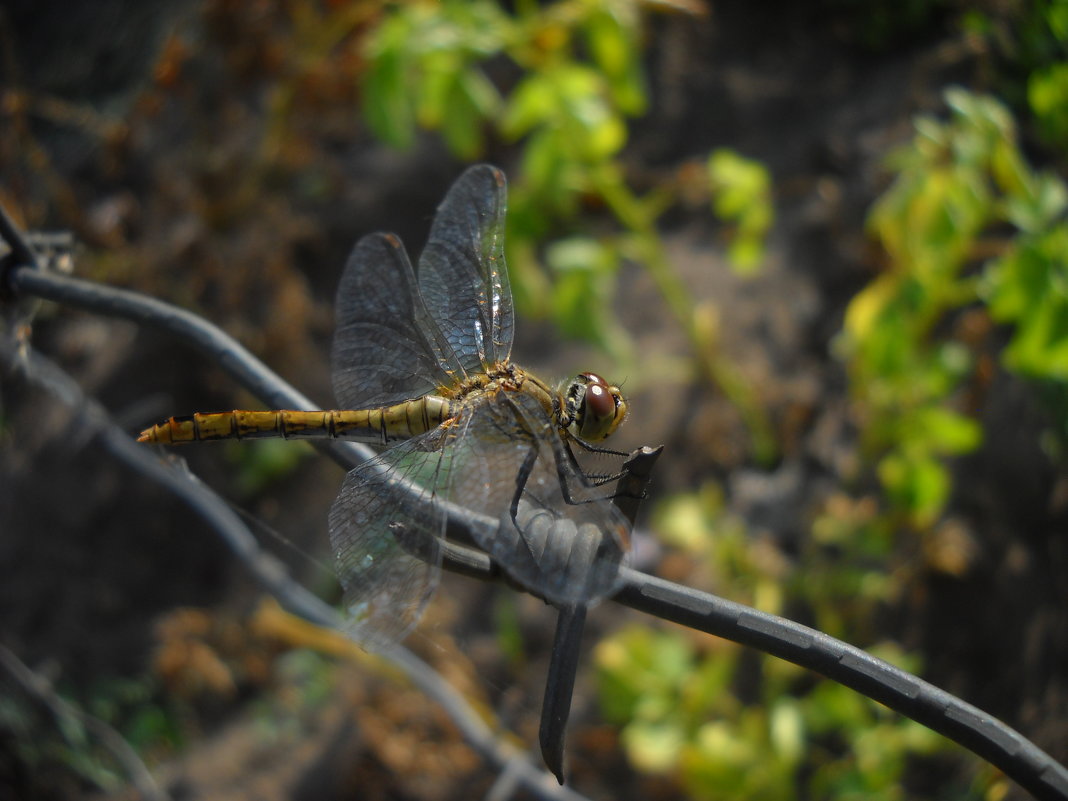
pixel 462 273
pixel 385 527
pixel 386 347
pixel 540 519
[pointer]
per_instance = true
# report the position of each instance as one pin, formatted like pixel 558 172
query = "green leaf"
pixel 1028 288
pixel 583 269
pixel 640 672
pixel 462 121
pixel 653 747
pixel 387 105
pixel 787 729
pixel 741 194
pixel 1047 94
pixel 1039 347
pixel 530 104
pixel 263 461
pixel 612 36
pixel 432 91
pixel 947 432
pixel 917 483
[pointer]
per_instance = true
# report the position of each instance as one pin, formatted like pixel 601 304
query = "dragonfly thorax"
pixel 593 409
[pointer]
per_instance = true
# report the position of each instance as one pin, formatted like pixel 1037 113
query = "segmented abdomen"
pixel 382 425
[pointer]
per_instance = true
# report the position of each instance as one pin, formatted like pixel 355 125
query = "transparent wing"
pixel 462 274
pixel 384 528
pixel 386 348
pixel 540 518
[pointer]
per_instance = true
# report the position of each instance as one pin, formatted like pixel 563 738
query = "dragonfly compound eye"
pixel 597 408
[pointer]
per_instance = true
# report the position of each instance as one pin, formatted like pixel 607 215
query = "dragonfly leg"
pixel 591 448
pixel 595 479
pixel 524 473
pixel 521 477
pixel 600 479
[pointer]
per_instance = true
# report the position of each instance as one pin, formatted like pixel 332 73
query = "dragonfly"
pixel 421 368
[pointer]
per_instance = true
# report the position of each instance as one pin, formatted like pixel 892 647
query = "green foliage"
pixel 585 270
pixel 61 747
pixel 509 632
pixel 306 684
pixel 1028 288
pixel 580 82
pixel 960 186
pixel 741 193
pixel 262 462
pixel 424 72
pixel 679 697
pixel 135 707
pixel 1031 40
pixel 1047 94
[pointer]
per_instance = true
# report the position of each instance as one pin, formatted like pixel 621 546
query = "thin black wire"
pixel 984 735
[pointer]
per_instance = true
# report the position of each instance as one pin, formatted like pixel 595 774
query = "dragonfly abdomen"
pixel 386 424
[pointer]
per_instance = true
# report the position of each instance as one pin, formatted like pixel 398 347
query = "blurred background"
pixel 822 245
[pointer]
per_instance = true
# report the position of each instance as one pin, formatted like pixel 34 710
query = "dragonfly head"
pixel 593 408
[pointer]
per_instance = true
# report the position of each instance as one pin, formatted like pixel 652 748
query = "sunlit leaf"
pixel 1047 93
pixel 741 194
pixel 918 483
pixel 947 432
pixel 653 747
pixel 787 729
pixel 640 673
pixel 583 270
pixel 614 48
pixel 682 521
pixel 530 104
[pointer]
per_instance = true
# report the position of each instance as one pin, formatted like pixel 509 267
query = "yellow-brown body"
pixel 381 425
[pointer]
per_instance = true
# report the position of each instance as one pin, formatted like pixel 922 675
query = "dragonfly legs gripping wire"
pixel 521 478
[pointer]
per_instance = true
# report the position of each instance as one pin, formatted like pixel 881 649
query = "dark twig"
pixel 987 737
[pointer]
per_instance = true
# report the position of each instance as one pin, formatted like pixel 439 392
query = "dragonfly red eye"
pixel 598 402
pixel 599 408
